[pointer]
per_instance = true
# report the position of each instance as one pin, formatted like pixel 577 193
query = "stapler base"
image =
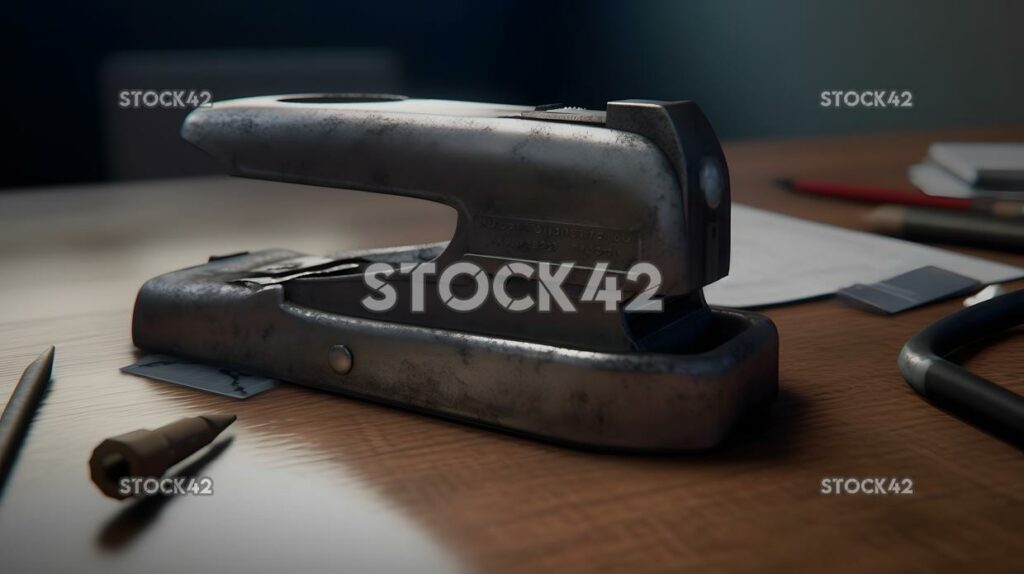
pixel 622 401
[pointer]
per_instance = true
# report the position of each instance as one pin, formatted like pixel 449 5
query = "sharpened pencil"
pixel 20 409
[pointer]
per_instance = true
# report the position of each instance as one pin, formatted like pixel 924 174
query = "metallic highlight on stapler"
pixel 642 182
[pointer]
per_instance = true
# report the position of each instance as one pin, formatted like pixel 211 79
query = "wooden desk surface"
pixel 317 482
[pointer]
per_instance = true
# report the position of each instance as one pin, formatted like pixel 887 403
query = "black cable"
pixel 923 366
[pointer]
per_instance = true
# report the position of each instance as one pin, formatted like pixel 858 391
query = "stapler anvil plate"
pixel 643 181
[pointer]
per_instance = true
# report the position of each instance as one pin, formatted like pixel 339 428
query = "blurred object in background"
pixel 144 142
pixel 758 69
pixel 972 169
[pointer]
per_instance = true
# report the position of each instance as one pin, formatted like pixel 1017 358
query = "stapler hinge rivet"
pixel 340 359
pixel 711 182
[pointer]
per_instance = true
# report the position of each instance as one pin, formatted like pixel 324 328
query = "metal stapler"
pixel 642 182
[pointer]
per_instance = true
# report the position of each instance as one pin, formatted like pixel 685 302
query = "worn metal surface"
pixel 525 189
pixel 642 182
pixel 646 401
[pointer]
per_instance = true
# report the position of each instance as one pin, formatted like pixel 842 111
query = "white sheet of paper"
pixel 933 180
pixel 780 259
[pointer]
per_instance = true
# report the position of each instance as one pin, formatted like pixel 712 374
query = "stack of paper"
pixel 780 259
pixel 972 170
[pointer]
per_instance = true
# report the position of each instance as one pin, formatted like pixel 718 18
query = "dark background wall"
pixel 756 67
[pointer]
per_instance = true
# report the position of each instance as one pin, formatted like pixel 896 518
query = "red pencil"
pixel 875 194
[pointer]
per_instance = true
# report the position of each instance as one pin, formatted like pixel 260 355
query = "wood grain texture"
pixel 317 482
